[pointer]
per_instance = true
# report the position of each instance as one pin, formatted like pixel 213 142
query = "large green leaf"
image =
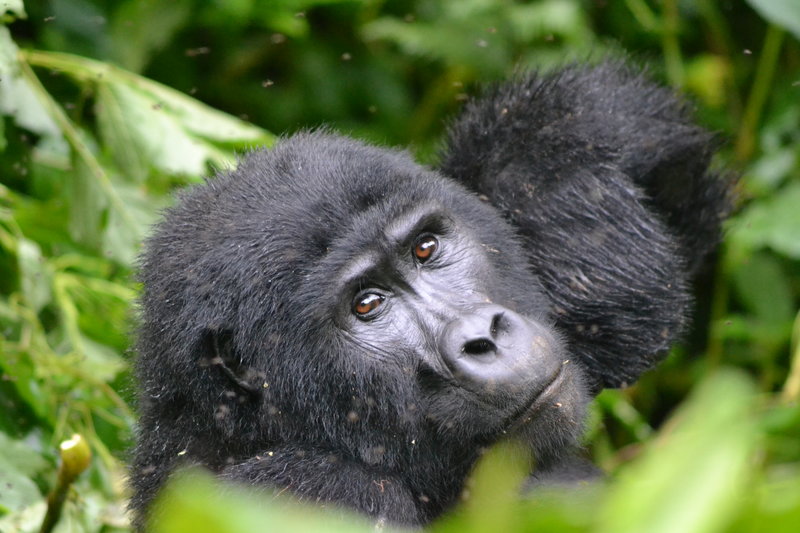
pixel 783 13
pixel 17 98
pixel 691 478
pixel 146 124
pixel 138 127
pixel 14 7
pixel 194 503
pixel 18 463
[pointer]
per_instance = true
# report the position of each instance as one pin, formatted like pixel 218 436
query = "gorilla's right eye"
pixel 365 303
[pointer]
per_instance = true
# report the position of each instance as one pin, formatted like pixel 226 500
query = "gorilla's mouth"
pixel 547 396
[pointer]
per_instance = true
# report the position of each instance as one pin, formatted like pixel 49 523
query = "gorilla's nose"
pixel 493 349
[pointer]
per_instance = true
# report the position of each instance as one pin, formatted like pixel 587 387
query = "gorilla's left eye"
pixel 425 247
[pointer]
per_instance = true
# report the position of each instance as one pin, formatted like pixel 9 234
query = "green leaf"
pixel 174 132
pixel 25 459
pixel 692 478
pixel 773 222
pixel 764 288
pixel 707 76
pixel 88 205
pixel 144 123
pixel 550 17
pixel 27 520
pixel 782 13
pixel 121 240
pixel 34 274
pixel 17 464
pixel 133 47
pixel 20 372
pixel 15 7
pixel 118 135
pixel 17 98
pixel 193 115
pixel 100 361
pixel 195 503
pixel 453 43
pixel 493 492
pixel 155 133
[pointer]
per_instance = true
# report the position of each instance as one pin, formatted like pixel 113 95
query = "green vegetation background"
pixel 106 107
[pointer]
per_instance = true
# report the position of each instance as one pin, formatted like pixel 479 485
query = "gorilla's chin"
pixel 554 420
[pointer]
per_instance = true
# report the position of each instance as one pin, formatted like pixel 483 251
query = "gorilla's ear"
pixel 219 344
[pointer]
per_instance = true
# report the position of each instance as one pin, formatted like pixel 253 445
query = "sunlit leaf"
pixel 692 477
pixel 708 76
pixel 118 135
pixel 783 13
pixel 121 239
pixel 453 43
pixel 25 458
pixel 195 503
pixel 550 17
pixel 16 96
pixel 100 361
pixel 14 7
pixel 17 464
pixel 87 206
pixel 492 496
pixel 149 130
pixel 34 275
pixel 19 372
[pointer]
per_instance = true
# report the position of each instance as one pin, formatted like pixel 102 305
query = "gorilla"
pixel 335 320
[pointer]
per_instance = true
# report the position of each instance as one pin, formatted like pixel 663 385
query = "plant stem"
pixel 791 389
pixel 765 73
pixel 670 44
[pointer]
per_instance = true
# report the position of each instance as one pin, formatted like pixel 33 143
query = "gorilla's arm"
pixel 317 476
pixel 607 181
pixel 608 114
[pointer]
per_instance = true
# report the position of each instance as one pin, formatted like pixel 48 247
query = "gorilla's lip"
pixel 552 387
pixel 530 408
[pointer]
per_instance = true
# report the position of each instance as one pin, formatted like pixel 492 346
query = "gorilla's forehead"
pixel 299 213
pixel 317 189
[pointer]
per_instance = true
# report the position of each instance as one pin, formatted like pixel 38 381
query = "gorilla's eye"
pixel 425 247
pixel 366 303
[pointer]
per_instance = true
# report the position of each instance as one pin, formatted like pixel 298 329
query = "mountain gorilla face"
pixel 425 284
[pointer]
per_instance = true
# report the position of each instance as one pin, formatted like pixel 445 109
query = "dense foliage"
pixel 107 107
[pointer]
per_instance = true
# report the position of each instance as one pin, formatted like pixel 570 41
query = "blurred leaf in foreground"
pixel 692 479
pixel 783 13
pixel 195 503
pixel 491 499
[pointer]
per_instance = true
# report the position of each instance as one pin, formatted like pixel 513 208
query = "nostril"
pixel 478 347
pixel 498 324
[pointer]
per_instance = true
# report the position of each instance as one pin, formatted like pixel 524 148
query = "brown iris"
pixel 425 248
pixel 367 303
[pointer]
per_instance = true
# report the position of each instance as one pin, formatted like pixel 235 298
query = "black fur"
pixel 591 204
